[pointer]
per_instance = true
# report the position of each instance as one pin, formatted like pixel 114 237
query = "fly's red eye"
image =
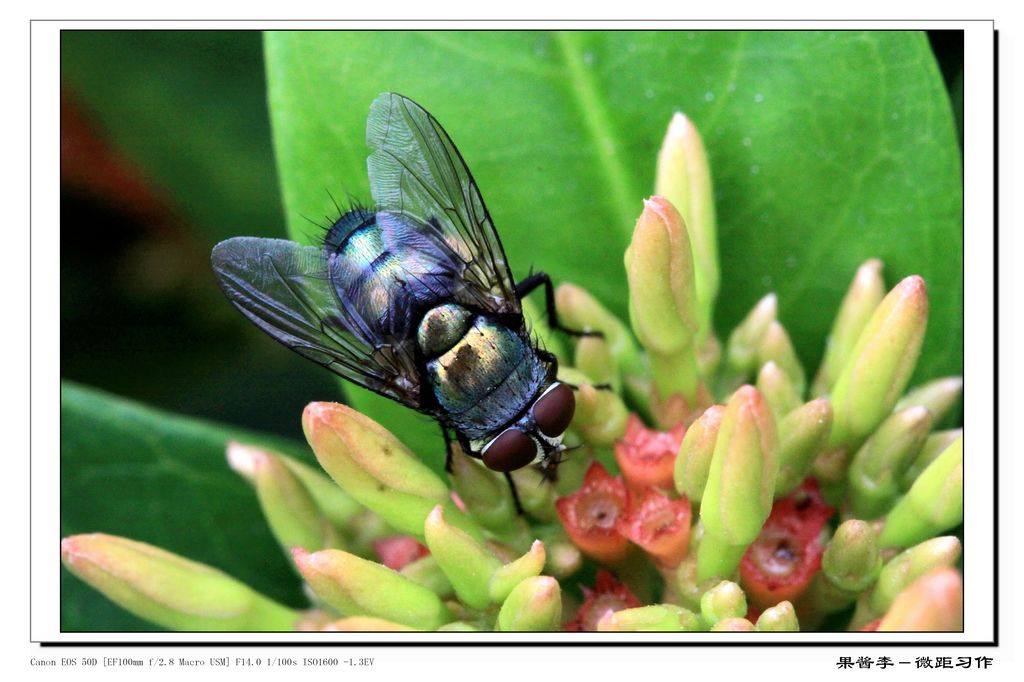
pixel 554 410
pixel 512 450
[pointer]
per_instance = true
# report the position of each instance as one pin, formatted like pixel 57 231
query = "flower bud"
pixel 776 347
pixel 877 468
pixel 724 600
pixel 778 618
pixel 608 596
pixel 534 605
pixel 852 561
pixel 169 590
pixel 375 468
pixel 467 562
pixel 647 457
pixel 932 603
pixel 656 618
pixel 332 501
pixel 662 301
pixel 880 364
pixel 733 625
pixel 425 571
pixel 563 557
pixel 745 340
pixel 909 565
pixel 357 587
pixel 935 503
pixel 741 482
pixel 537 323
pixel 803 434
pixel 684 178
pixel 934 446
pixel 601 416
pixel 287 505
pixel 578 310
pixel 508 576
pixel 398 551
pixel 694 460
pixel 594 358
pixel 365 624
pixel 536 493
pixel 485 493
pixel 777 388
pixel 938 396
pixel 660 526
pixel 589 515
pixel 862 298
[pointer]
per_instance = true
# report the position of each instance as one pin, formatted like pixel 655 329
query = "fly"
pixel 414 300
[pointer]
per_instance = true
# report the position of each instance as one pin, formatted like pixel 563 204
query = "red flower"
pixel 398 550
pixel 608 596
pixel 590 513
pixel 780 563
pixel 647 457
pixel 660 526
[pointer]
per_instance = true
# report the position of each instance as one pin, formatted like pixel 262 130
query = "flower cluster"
pixel 760 498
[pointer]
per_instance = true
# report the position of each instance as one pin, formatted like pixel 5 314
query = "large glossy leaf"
pixel 130 470
pixel 826 149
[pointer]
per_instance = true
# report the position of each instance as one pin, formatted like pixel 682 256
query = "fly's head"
pixel 537 436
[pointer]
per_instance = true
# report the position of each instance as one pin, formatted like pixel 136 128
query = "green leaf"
pixel 162 479
pixel 189 108
pixel 826 149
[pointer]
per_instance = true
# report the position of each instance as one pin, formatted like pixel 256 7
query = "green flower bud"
pixel 745 340
pixel 938 396
pixel 862 298
pixel 778 618
pixel 594 358
pixel 458 626
pixel 357 587
pixel 365 624
pixel 775 346
pixel 508 576
pixel 803 434
pixel 169 590
pixel 880 364
pixel 909 565
pixel 935 503
pixel 733 625
pixel 741 483
pixel 932 603
pixel 777 388
pixel 331 500
pixel 536 493
pixel 467 562
pixel 563 558
pixel 934 446
pixel 484 492
pixel 662 301
pixel 694 460
pixel 601 416
pixel 724 600
pixel 292 514
pixel 684 178
pixel 851 560
pixel 425 571
pixel 534 605
pixel 375 468
pixel 877 468
pixel 656 618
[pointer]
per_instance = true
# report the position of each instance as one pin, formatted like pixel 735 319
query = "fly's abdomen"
pixel 482 373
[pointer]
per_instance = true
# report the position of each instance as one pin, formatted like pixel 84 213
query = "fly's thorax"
pixel 487 377
pixel 441 328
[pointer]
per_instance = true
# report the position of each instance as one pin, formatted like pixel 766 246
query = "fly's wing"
pixel 285 290
pixel 416 170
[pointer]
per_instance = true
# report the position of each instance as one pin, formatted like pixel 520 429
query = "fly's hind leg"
pixel 537 279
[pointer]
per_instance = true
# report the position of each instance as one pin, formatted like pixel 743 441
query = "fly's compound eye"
pixel 553 411
pixel 512 450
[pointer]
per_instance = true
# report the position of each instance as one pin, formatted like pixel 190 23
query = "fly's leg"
pixel 447 449
pixel 515 493
pixel 535 280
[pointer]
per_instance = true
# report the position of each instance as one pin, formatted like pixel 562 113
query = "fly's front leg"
pixel 535 280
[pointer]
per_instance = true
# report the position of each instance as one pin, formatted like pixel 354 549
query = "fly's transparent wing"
pixel 415 169
pixel 285 290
